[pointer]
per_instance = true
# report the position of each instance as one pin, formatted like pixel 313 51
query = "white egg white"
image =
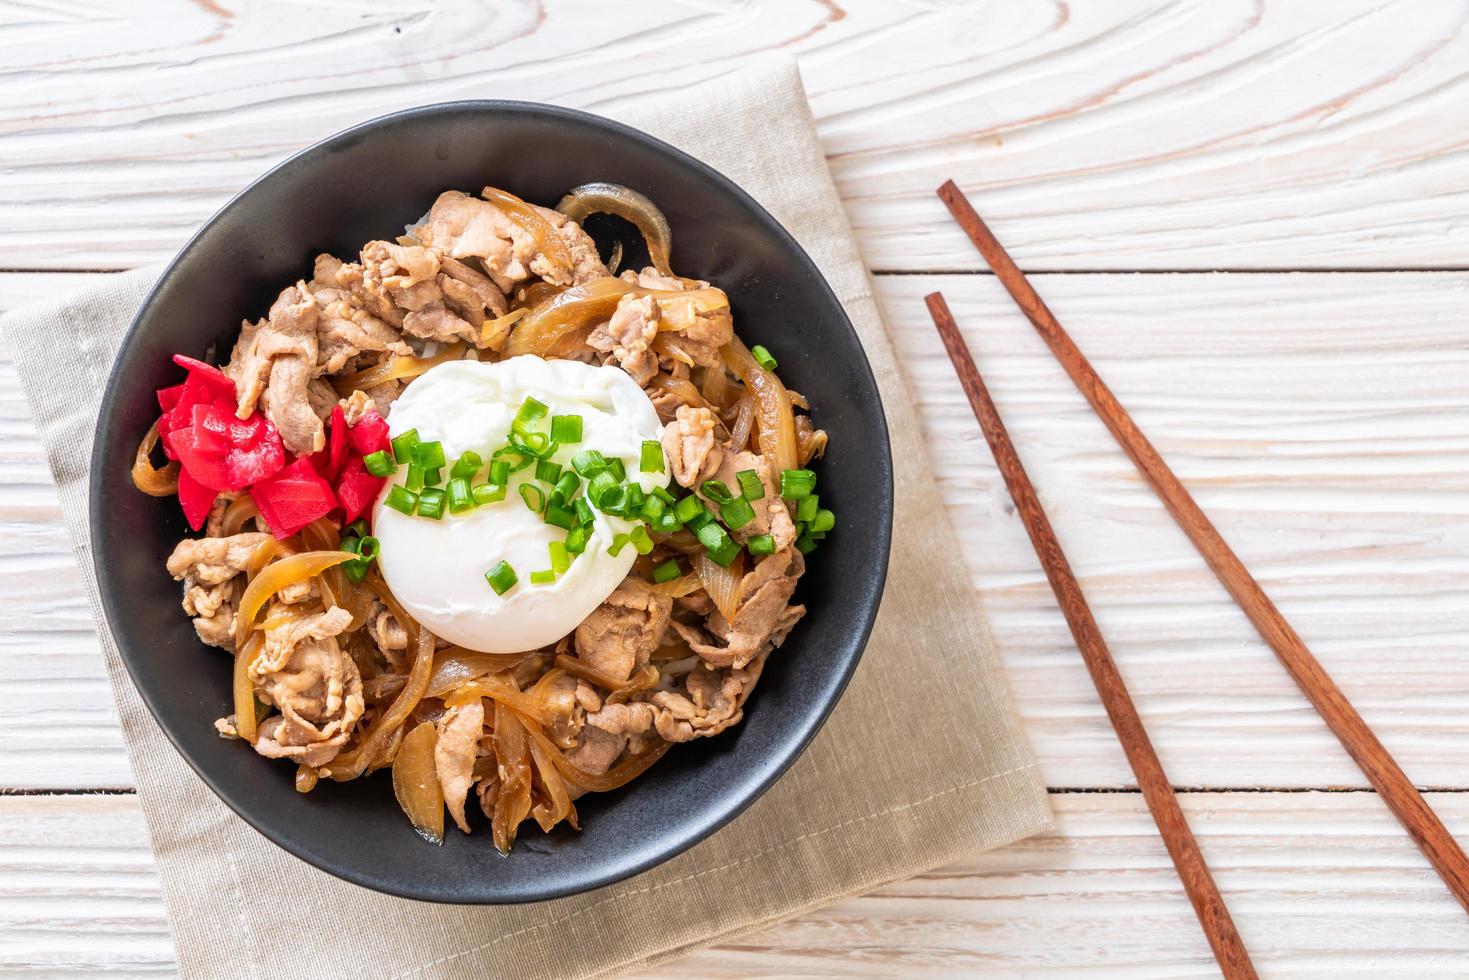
pixel 436 568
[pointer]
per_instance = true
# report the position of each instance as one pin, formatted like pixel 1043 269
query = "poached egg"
pixel 436 568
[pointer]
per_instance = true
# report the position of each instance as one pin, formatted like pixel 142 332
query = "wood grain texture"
pixel 1126 135
pixel 1356 736
pixel 1320 882
pixel 1157 790
pixel 1336 460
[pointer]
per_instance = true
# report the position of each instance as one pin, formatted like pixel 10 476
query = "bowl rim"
pixel 785 751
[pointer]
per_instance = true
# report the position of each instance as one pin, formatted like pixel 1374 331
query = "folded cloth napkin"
pixel 921 763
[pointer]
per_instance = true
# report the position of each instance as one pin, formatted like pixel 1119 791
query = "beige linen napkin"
pixel 921 763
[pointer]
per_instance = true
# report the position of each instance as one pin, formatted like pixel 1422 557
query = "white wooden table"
pixel 1252 214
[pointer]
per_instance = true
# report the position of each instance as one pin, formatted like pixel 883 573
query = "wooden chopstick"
pixel 1391 783
pixel 1157 790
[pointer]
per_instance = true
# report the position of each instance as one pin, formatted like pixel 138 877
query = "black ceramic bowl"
pixel 368 183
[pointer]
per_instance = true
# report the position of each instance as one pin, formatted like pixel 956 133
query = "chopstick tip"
pixel 948 189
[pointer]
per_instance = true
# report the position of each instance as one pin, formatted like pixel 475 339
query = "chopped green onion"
pixel 716 491
pixel 761 544
pixel 547 471
pixel 726 555
pixel 566 487
pixel 351 545
pixel 688 508
pixel 806 508
pixel 666 572
pixel 805 544
pixel 429 454
pixel 712 536
pixel 763 358
pixel 600 483
pixel 640 539
pixel 543 577
pixel 431 503
pixel 587 463
pixel 618 543
pixel 434 476
pixel 824 521
pixel 488 493
pixel 379 463
pixel 652 456
pixel 534 497
pixel 562 517
pixel 369 548
pixel 750 484
pixel 737 513
pixel 566 428
pixel 460 496
pixel 583 510
pixel 414 480
pixel 653 508
pixel 615 467
pixel 560 557
pixel 667 522
pixel 401 499
pixel 517 459
pixel 502 578
pixel 466 466
pixel 500 472
pixel 358 527
pixel 576 539
pixel 797 483
pixel 632 501
pixel 403 446
pixel 531 412
pixel 613 500
pixel 535 443
pixel 662 494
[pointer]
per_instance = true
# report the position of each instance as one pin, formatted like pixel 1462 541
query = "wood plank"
pixel 1322 420
pixel 1317 882
pixel 1241 133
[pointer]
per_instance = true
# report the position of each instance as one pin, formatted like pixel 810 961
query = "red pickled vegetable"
pixel 196 499
pixel 169 397
pixel 224 452
pixel 370 434
pixel 330 459
pixel 293 497
pixel 357 489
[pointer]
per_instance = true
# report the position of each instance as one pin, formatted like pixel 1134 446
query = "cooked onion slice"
pixel 501 693
pixel 626 203
pixel 162 482
pixel 416 782
pixel 277 576
pixel 724 585
pixel 389 724
pixel 777 434
pixel 557 806
pixel 395 369
pixel 456 666
pixel 555 324
pixel 621 774
pixel 546 238
pixel 240 510
pixel 512 752
pixel 643 680
pixel 679 587
pixel 246 724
